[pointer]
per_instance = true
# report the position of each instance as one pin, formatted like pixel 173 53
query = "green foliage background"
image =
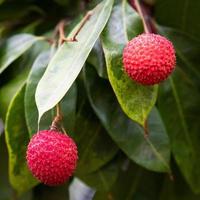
pixel 104 111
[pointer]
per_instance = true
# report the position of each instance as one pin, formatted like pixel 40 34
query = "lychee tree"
pixel 99 100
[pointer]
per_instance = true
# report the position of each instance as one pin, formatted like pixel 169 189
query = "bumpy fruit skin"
pixel 149 58
pixel 52 157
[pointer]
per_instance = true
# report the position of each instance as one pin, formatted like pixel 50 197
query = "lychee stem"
pixel 139 9
pixel 56 124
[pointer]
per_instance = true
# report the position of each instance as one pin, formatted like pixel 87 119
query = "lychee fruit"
pixel 149 58
pixel 52 157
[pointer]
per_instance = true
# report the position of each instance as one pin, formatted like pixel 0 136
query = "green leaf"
pixel 136 100
pixel 14 47
pixel 31 112
pixel 180 14
pixel 139 184
pixel 96 58
pixel 68 107
pixel 69 59
pixel 176 190
pixel 43 192
pixel 5 188
pixel 102 179
pixel 151 152
pixel 8 90
pixel 95 147
pixel 17 139
pixel 179 100
pixel 68 103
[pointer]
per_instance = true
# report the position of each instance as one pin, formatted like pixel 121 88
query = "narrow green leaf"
pixel 31 112
pixel 68 103
pixel 69 59
pixel 95 147
pixel 151 152
pixel 178 102
pixel 96 58
pixel 17 139
pixel 14 47
pixel 136 100
pixel 102 179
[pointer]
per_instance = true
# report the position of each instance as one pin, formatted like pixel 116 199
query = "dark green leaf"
pixel 5 188
pixel 43 192
pixel 17 139
pixel 96 58
pixel 179 102
pixel 69 59
pixel 151 152
pixel 177 189
pixel 31 112
pixel 102 179
pixel 68 103
pixel 180 14
pixel 9 90
pixel 133 183
pixel 95 147
pixel 136 100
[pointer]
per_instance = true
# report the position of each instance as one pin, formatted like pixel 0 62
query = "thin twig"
pixel 139 9
pixel 61 30
pixel 61 26
pixel 82 23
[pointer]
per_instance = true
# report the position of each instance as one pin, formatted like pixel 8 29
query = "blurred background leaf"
pixel 17 140
pixel 180 96
pixel 180 14
pixel 151 152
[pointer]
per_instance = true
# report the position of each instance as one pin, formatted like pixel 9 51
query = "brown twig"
pixel 61 26
pixel 82 23
pixel 61 30
pixel 139 9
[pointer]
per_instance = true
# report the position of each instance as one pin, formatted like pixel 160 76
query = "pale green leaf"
pixel 69 60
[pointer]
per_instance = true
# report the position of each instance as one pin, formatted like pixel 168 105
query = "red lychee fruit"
pixel 149 58
pixel 52 157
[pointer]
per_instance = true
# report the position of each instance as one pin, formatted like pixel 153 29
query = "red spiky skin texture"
pixel 149 58
pixel 52 157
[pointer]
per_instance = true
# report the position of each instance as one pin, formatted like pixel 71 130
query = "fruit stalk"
pixel 57 119
pixel 139 9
